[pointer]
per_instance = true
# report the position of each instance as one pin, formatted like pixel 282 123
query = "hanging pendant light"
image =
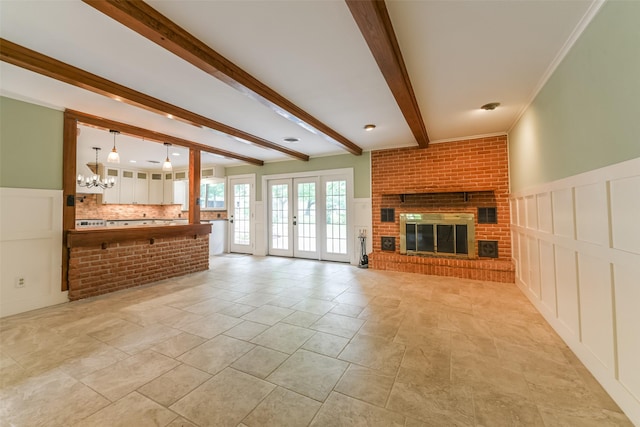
pixel 166 166
pixel 95 180
pixel 114 157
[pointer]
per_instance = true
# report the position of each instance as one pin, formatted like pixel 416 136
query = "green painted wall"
pixel 361 170
pixel 30 145
pixel 587 116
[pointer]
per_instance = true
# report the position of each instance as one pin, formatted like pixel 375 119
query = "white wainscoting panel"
pixel 563 212
pixel 625 211
pixel 592 224
pixel 30 248
pixel 579 264
pixel 627 296
pixel 595 305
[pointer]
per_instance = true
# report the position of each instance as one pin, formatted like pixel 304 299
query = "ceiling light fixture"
pixel 490 106
pixel 114 157
pixel 369 127
pixel 166 166
pixel 95 180
pixel 291 140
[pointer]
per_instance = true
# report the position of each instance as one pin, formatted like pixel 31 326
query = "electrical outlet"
pixel 20 282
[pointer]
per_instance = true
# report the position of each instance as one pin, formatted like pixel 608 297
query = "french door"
pixel 241 214
pixel 293 217
pixel 307 218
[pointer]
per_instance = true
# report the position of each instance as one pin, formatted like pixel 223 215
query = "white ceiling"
pixel 459 55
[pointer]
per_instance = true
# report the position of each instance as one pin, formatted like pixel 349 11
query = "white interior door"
pixel 241 214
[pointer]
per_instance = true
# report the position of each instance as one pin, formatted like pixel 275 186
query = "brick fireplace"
pixel 460 177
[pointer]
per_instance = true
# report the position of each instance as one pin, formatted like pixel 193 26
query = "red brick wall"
pixel 95 271
pixel 432 180
pixel 87 207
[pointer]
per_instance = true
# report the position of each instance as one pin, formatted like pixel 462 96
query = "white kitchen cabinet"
pixel 112 195
pixel 167 187
pixel 127 187
pixel 156 188
pixel 141 189
pixel 181 189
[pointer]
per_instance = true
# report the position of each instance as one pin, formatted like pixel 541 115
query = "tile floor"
pixel 270 341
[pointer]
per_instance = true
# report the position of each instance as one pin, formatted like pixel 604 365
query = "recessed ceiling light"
pixel 175 154
pixel 291 140
pixel 369 127
pixel 490 106
pixel 132 161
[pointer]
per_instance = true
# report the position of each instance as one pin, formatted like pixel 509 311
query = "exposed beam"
pixel 375 25
pixel 33 61
pixel 150 135
pixel 145 20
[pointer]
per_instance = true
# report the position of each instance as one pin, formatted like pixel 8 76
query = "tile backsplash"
pixel 87 207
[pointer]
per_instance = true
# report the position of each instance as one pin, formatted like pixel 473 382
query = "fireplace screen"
pixel 446 234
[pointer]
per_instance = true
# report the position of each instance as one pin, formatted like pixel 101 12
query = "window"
pixel 487 216
pixel 212 192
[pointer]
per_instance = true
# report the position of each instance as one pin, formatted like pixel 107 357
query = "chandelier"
pixel 95 180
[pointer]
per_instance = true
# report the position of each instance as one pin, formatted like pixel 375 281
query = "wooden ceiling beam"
pixel 150 135
pixel 33 61
pixel 148 22
pixel 375 25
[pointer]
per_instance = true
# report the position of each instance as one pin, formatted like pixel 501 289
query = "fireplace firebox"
pixel 438 234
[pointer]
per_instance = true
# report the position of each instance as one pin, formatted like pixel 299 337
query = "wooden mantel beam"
pixel 28 59
pixel 375 25
pixel 148 22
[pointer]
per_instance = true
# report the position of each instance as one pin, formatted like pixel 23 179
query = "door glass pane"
pixel 336 205
pixel 306 216
pixel 461 239
pixel 410 237
pixel 241 214
pixel 280 216
pixel 425 238
pixel 445 239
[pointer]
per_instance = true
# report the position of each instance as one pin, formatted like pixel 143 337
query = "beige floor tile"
pixel 115 329
pixel 216 354
pixel 570 417
pixel 301 318
pixel 438 403
pixel 422 365
pixel 246 330
pixel 385 329
pixel 144 338
pixel 354 299
pixel 209 306
pixel 51 398
pixel 343 326
pixel 341 410
pixel 347 310
pixel 474 344
pixel 374 353
pixel 365 384
pixel 133 409
pixel 237 310
pixel 173 385
pixel 121 378
pixel 309 374
pixel 492 409
pixel 260 361
pixel 92 360
pixel 315 306
pixel 224 400
pixel 283 408
pixel 256 299
pixel 464 323
pixel 327 344
pixel 181 319
pixel 181 422
pixel 268 314
pixel 210 326
pixel 178 344
pixel 283 337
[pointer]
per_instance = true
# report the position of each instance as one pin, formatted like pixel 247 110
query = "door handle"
pixel 295 220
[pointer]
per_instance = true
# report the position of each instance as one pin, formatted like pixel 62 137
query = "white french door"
pixel 240 214
pixel 308 217
pixel 293 217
